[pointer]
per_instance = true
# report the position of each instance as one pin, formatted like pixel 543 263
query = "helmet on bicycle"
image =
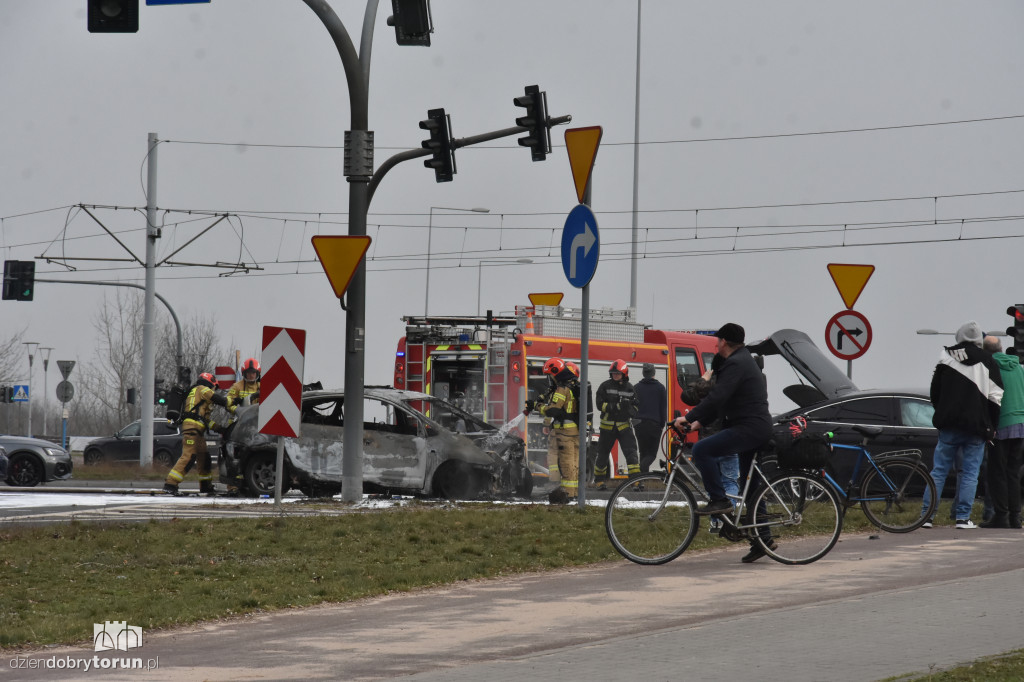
pixel 621 367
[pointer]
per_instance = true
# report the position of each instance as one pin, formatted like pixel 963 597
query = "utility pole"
pixel 148 333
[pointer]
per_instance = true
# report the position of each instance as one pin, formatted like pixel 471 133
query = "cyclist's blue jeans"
pixel 729 468
pixel 708 452
pixel 964 452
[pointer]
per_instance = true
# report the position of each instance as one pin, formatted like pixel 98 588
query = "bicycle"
pixel 795 516
pixel 891 489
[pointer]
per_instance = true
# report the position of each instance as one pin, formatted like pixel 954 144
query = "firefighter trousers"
pixel 193 446
pixel 566 450
pixel 623 434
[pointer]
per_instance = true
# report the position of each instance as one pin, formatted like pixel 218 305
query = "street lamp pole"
pixel 479 275
pixel 46 387
pixel 430 232
pixel 31 352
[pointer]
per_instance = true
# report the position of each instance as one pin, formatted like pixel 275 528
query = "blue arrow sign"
pixel 19 394
pixel 581 246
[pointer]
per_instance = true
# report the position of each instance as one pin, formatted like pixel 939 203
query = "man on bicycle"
pixel 740 397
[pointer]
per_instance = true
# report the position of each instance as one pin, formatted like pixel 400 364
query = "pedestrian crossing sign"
pixel 20 394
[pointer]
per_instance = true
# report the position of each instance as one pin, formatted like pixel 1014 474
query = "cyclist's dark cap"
pixel 731 332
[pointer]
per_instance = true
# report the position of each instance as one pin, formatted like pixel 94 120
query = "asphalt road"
pixel 874 607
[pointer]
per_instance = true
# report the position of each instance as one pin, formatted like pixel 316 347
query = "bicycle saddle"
pixel 870 431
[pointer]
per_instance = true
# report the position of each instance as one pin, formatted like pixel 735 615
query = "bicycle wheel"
pixel 649 522
pixel 802 515
pixel 895 501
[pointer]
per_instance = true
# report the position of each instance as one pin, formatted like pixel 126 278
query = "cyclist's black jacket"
pixel 739 396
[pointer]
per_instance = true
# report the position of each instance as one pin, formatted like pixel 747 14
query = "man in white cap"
pixel 966 391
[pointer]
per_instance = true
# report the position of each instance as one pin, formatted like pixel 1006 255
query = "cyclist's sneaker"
pixel 965 524
pixel 927 524
pixel 716 507
pixel 714 525
pixel 756 552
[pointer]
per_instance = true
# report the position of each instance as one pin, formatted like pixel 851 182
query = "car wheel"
pixel 260 471
pixel 24 470
pixel 163 459
pixel 454 481
pixel 92 456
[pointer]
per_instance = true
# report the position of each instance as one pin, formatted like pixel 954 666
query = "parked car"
pixel 449 453
pixel 31 461
pixel 124 446
pixel 831 402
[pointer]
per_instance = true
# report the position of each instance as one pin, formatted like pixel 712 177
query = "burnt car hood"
pixel 826 381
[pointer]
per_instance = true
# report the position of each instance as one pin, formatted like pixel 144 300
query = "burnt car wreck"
pixel 413 444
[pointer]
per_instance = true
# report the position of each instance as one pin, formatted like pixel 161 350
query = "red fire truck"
pixel 492 365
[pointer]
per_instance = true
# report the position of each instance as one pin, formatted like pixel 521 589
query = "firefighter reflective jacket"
pixel 618 404
pixel 560 412
pixel 241 390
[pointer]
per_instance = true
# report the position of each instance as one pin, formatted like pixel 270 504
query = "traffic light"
pixel 538 138
pixel 132 396
pixel 113 16
pixel 19 280
pixel 411 20
pixel 5 394
pixel 1016 332
pixel 440 143
pixel 159 392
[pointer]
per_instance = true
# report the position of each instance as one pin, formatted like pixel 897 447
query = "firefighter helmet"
pixel 621 367
pixel 572 367
pixel 553 366
pixel 207 379
pixel 251 365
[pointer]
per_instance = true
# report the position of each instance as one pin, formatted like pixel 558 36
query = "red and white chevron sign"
pixel 284 354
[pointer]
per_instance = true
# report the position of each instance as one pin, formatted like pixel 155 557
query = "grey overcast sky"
pixel 918 168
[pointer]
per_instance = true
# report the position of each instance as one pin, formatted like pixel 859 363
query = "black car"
pixel 124 445
pixel 831 402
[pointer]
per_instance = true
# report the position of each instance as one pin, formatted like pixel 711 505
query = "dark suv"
pixel 124 445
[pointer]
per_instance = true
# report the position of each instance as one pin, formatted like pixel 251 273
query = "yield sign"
pixel 850 280
pixel 581 143
pixel 65 367
pixel 284 355
pixel 340 256
pixel 553 298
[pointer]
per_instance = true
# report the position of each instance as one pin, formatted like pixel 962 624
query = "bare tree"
pixel 202 350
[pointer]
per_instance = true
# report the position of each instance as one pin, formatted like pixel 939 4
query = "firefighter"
pixel 618 403
pixel 560 415
pixel 195 421
pixel 246 391
pixel 577 392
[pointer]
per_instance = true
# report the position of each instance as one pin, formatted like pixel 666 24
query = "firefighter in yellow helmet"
pixel 560 415
pixel 196 420
pixel 246 391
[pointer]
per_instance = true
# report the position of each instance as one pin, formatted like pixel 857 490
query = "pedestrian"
pixel 1005 454
pixel 560 422
pixel 651 417
pixel 616 398
pixel 195 421
pixel 966 392
pixel 739 397
pixel 728 465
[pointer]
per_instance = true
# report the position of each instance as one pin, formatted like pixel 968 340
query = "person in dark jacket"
pixel 740 398
pixel 966 392
pixel 617 401
pixel 651 417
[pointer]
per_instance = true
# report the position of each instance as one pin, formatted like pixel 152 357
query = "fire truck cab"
pixel 491 365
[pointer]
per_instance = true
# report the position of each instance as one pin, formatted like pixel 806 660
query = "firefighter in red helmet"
pixel 246 391
pixel 195 415
pixel 618 403
pixel 560 415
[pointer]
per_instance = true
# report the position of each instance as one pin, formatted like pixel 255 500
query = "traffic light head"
pixel 440 143
pixel 19 280
pixel 1016 331
pixel 113 16
pixel 535 119
pixel 411 20
pixel 131 396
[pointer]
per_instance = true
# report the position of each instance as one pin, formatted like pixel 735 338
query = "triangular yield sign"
pixel 850 280
pixel 553 298
pixel 340 256
pixel 581 143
